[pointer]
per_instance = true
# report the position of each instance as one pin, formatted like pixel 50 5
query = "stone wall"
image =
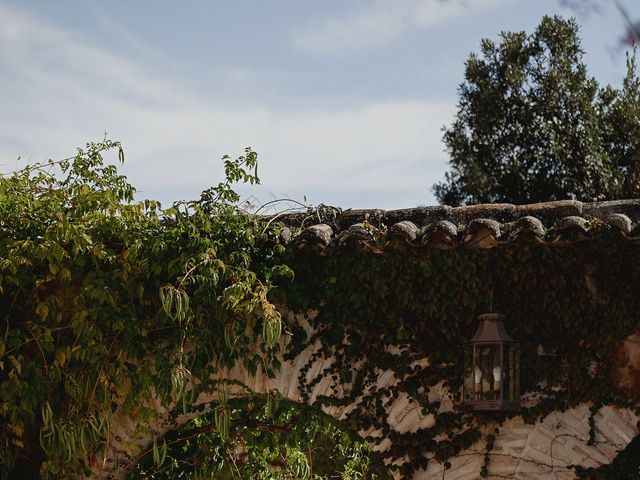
pixel 548 449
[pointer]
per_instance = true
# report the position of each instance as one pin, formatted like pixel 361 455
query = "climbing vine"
pixel 569 305
pixel 106 301
pixel 269 439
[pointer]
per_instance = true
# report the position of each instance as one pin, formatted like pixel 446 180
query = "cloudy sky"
pixel 343 100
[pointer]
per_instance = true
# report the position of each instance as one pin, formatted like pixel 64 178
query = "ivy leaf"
pixel 42 310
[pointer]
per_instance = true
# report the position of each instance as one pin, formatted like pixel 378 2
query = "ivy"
pixel 104 300
pixel 267 440
pixel 568 305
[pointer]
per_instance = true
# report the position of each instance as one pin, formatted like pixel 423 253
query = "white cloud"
pixel 59 92
pixel 377 22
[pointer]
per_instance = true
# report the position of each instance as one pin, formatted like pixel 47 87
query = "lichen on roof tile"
pixel 443 226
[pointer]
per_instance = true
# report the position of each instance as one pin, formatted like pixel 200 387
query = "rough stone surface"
pixel 549 449
pixel 572 221
pixel 405 229
pixel 620 221
pixel 546 450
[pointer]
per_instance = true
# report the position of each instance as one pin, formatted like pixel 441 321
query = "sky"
pixel 344 101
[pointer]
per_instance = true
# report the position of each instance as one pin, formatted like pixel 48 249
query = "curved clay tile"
pixel 405 229
pixel 572 222
pixel 529 225
pixel 439 234
pixel 484 223
pixel 347 218
pixel 630 208
pixel 319 234
pixel 619 221
pixel 548 212
pixel 361 230
pixel 421 216
pixel 482 233
pixel 285 235
pixel 502 212
pixel 476 226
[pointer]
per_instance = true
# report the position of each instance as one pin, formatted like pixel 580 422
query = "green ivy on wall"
pixel 104 299
pixel 574 301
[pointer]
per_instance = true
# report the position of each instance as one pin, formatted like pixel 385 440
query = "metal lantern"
pixel 492 368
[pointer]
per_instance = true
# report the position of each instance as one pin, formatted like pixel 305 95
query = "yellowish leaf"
pixel 42 310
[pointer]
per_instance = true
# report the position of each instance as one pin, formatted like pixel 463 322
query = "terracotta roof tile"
pixel 475 226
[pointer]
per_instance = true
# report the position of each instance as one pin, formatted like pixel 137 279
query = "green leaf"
pixel 42 310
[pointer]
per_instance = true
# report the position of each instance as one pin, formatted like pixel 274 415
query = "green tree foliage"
pixel 104 299
pixel 532 125
pixel 269 438
pixel 95 286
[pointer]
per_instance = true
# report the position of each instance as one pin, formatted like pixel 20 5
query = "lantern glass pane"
pixel 477 373
pixel 482 373
pixel 507 372
pixel 468 393
pixel 495 379
pixel 489 368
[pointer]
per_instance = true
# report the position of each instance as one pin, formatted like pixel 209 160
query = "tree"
pixel 105 299
pixel 532 125
pixel 620 118
pixel 269 438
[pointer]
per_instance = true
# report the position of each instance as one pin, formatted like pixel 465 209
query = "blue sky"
pixel 343 100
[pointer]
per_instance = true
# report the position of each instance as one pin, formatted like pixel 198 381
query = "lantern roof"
pixel 491 330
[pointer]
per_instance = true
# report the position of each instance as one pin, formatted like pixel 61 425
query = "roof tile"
pixel 476 226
